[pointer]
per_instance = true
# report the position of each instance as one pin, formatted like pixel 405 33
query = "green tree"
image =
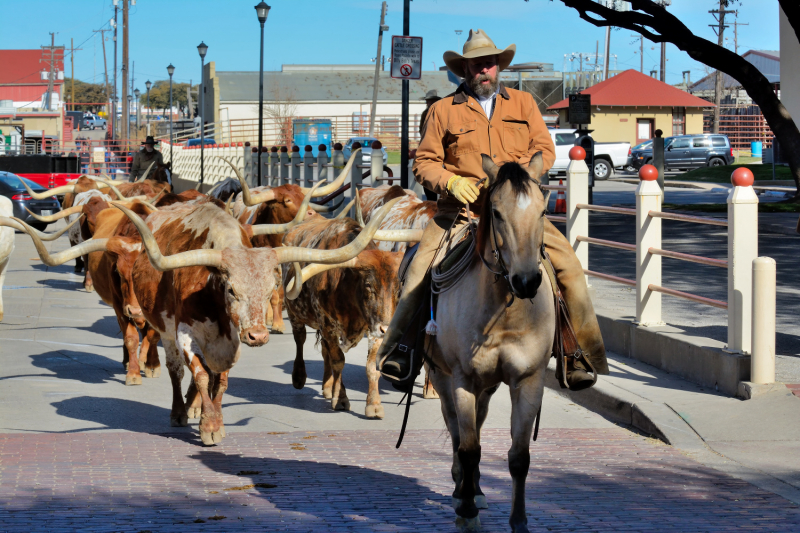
pixel 91 93
pixel 658 25
pixel 159 95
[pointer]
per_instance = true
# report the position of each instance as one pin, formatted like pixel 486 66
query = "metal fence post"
pixel 356 176
pixel 308 169
pixel 742 249
pixel 274 165
pixel 264 166
pixel 376 164
pixel 762 360
pixel 337 165
pixel 578 193
pixel 648 235
pixel 322 164
pixel 283 166
pixel 294 169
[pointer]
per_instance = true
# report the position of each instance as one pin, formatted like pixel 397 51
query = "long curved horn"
pixel 42 235
pixel 119 195
pixel 359 213
pixel 290 254
pixel 273 229
pixel 294 287
pixel 335 184
pixel 146 172
pixel 398 235
pixel 228 208
pixel 64 189
pixel 325 208
pixel 155 198
pixel 346 210
pixel 58 216
pixel 247 198
pixel 210 258
pixel 86 247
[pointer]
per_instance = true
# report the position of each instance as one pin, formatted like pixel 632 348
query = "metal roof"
pixel 768 62
pixel 323 85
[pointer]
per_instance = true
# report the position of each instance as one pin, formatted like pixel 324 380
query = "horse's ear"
pixel 535 166
pixel 489 167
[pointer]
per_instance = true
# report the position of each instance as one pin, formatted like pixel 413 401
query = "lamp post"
pixel 147 85
pixel 137 93
pixel 170 71
pixel 202 48
pixel 262 10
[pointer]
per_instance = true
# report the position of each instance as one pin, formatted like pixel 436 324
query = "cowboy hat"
pixel 478 44
pixel 150 140
pixel 433 94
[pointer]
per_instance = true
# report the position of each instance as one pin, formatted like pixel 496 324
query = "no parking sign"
pixel 406 57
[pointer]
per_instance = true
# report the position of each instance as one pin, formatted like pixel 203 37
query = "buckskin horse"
pixel 493 331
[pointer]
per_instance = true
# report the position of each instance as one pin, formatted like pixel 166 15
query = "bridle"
pixel 500 264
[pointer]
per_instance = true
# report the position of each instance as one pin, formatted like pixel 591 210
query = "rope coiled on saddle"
pixel 442 281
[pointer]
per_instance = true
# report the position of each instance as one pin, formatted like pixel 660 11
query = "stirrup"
pixel 406 383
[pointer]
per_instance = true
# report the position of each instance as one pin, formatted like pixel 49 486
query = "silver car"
pixel 366 148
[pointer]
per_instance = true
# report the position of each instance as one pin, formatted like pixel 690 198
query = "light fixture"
pixel 148 84
pixel 170 69
pixel 262 10
pixel 202 48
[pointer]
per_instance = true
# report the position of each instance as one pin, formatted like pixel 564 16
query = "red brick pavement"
pixel 794 388
pixel 580 480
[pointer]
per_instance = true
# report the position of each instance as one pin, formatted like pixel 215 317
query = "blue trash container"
pixel 312 132
pixel 755 148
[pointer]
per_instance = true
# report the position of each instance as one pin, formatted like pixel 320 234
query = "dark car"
pixel 208 141
pixel 687 151
pixel 11 187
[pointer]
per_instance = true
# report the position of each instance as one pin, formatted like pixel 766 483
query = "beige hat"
pixel 478 44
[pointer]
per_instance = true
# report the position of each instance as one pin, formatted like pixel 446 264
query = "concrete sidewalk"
pixel 757 440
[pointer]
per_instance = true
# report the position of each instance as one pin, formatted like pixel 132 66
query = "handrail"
pixel 557 218
pixel 609 277
pixel 607 209
pixel 687 296
pixel 688 257
pixel 555 187
pixel 689 218
pixel 610 244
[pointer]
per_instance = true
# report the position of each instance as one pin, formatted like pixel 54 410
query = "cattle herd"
pixel 204 277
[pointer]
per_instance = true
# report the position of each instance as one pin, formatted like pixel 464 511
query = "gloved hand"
pixel 464 189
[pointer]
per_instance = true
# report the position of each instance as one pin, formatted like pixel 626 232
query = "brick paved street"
pixel 596 480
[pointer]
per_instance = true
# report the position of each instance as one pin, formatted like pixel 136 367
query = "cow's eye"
pixel 231 293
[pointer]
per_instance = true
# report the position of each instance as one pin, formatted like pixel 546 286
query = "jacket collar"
pixel 462 93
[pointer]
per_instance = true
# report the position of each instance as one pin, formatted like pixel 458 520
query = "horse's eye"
pixel 496 214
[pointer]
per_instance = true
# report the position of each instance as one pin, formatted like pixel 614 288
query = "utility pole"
pixel 114 132
pixel 606 54
pixel 663 70
pixel 377 70
pixel 124 96
pixel 72 50
pixel 719 28
pixel 51 75
pixel 105 64
pixel 736 25
pixel 641 51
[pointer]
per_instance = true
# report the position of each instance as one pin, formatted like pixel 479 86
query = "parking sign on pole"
pixel 406 57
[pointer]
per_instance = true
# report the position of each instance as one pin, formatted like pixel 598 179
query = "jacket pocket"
pixel 463 137
pixel 516 137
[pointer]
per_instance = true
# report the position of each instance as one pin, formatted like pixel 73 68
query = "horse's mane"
pixel 520 181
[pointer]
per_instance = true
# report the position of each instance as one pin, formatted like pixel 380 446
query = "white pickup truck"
pixel 607 156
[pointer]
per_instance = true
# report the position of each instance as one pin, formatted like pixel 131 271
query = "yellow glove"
pixel 464 189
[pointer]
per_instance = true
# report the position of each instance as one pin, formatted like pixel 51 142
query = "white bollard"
pixel 742 250
pixel 762 359
pixel 578 193
pixel 648 235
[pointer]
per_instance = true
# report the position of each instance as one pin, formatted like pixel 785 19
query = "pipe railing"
pixel 742 230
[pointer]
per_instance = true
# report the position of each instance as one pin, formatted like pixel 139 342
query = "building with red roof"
pixel 630 106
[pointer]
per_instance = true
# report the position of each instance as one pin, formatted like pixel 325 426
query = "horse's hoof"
pixel 133 379
pixel 430 394
pixel 299 379
pixel 340 404
pixel 480 501
pixel 519 528
pixel 468 525
pixel 374 411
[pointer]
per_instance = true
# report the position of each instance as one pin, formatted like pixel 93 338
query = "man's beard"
pixel 480 89
pixel 149 149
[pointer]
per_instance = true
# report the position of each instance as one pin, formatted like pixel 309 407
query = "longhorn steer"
pixel 6 245
pixel 408 213
pixel 208 294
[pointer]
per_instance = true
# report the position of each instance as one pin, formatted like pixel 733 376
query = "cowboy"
pixel 431 97
pixel 144 157
pixel 484 117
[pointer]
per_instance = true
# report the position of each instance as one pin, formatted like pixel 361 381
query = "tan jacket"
pixel 457 132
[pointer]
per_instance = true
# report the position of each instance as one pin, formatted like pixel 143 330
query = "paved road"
pixel 80 451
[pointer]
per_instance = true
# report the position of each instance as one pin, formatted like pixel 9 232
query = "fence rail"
pixel 742 125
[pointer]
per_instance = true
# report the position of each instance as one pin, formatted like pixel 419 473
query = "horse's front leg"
pixel 526 400
pixel 469 448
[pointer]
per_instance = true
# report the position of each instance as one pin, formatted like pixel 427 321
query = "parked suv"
pixel 687 151
pixel 92 123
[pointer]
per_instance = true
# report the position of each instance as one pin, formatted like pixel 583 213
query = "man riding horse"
pixel 484 117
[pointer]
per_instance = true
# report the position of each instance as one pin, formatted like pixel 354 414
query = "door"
pixel 700 149
pixel 644 130
pixel 678 153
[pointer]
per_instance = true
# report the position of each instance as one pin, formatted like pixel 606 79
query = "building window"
pixel 678 120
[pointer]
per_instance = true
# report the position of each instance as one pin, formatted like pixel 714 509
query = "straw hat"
pixel 478 44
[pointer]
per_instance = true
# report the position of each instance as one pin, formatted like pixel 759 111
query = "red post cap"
pixel 742 177
pixel 577 153
pixel 648 173
pixel 376 145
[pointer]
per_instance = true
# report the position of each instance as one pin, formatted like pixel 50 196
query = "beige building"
pixel 631 106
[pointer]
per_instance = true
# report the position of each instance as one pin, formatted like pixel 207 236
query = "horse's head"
pixel 162 173
pixel 512 222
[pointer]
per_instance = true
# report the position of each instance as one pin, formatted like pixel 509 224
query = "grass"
pixel 723 174
pixel 394 157
pixel 771 207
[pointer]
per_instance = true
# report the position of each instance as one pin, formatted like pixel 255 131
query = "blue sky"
pixel 317 31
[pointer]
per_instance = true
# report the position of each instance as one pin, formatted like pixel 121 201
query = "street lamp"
pixel 170 71
pixel 202 48
pixel 147 84
pixel 136 93
pixel 262 10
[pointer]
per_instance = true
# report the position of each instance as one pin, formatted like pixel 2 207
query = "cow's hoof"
pixel 222 431
pixel 480 501
pixel 78 269
pixel 89 287
pixel 299 378
pixel 212 431
pixel 178 421
pixel 279 329
pixel 374 411
pixel 152 372
pixel 519 528
pixel 340 404
pixel 211 438
pixel 193 412
pixel 133 379
pixel 327 393
pixel 430 394
pixel 468 525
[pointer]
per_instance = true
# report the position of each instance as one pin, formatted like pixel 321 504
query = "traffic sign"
pixel 406 57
